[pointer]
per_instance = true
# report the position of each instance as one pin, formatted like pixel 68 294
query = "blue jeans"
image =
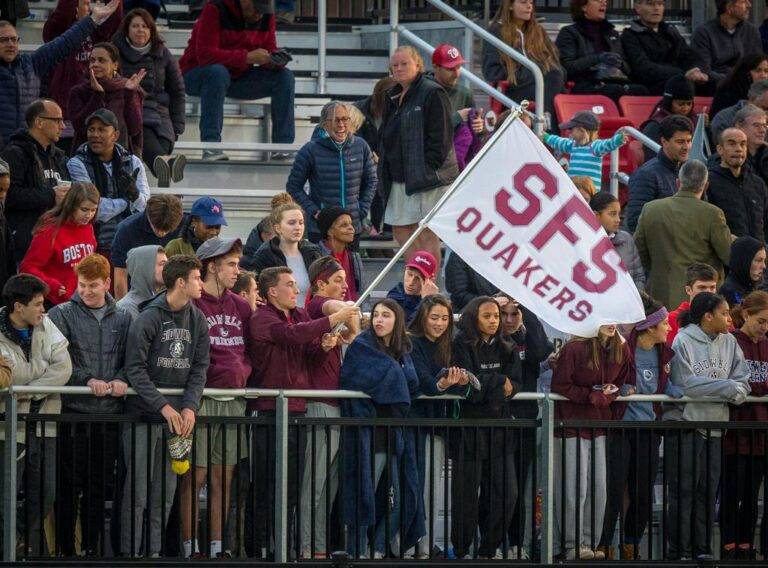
pixel 213 84
pixel 285 5
pixel 390 521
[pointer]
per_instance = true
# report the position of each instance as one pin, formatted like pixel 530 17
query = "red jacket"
pixel 125 103
pixel 756 355
pixel 285 353
pixel 53 258
pixel 74 69
pixel 574 378
pixel 220 36
pixel 674 327
pixel 665 356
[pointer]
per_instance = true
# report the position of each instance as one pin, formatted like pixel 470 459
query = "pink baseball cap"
pixel 424 262
pixel 447 56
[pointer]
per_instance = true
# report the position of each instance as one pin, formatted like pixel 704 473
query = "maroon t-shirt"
pixel 325 377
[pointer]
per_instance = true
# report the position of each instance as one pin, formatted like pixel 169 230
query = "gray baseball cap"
pixel 217 246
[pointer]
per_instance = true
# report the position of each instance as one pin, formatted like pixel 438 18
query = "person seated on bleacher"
pixel 516 25
pixel 204 222
pixel 339 168
pixel 656 51
pixel 117 174
pixel 104 88
pixel 733 187
pixel 232 52
pixel 677 100
pixel 723 40
pixel 750 69
pixel 73 70
pixel 418 283
pixel 20 74
pixel 592 55
pixel 757 95
pixel 751 120
pixel 657 178
pixel 335 224
pixel 141 47
pixel 158 224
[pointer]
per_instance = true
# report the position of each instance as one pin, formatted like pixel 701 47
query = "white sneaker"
pixel 586 553
pixel 518 553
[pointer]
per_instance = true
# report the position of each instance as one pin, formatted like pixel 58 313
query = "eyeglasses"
pixel 10 39
pixel 341 120
pixel 759 125
pixel 57 119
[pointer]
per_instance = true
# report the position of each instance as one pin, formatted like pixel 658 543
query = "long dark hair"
pixel 419 323
pixel 77 194
pixel 703 303
pixel 154 36
pixel 399 343
pixel 738 79
pixel 468 323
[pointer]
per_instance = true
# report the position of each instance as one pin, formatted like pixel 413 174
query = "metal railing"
pixel 285 426
pixel 615 175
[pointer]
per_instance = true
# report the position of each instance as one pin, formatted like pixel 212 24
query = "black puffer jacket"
pixel 743 199
pixel 35 171
pixel 97 350
pixel 579 57
pixel 464 283
pixel 269 255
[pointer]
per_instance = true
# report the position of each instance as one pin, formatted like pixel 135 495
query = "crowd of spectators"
pixel 140 294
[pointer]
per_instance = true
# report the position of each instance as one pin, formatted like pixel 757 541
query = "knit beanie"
pixel 679 88
pixel 327 217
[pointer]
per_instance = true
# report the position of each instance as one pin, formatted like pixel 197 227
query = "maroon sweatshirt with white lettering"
pixel 54 253
pixel 227 318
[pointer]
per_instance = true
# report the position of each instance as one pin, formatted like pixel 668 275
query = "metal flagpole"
pixel 515 114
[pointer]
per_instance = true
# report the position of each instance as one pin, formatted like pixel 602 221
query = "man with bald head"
pixel 736 190
pixel 20 73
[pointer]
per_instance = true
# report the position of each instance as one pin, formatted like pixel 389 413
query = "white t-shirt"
pixel 296 263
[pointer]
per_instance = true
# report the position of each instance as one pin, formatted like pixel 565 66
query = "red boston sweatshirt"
pixel 756 355
pixel 227 318
pixel 54 253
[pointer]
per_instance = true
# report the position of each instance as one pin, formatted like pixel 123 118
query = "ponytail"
pixel 704 303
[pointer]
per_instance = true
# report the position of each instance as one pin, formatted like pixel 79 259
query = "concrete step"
pixel 235 173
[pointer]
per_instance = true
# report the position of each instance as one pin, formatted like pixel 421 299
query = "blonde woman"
pixel 417 162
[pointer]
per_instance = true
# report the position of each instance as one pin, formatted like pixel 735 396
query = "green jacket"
pixel 673 233
pixel 179 246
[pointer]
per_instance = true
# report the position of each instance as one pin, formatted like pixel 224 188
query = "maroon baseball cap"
pixel 446 55
pixel 424 262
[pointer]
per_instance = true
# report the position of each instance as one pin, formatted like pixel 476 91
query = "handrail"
pixel 474 79
pixel 538 125
pixel 615 174
pixel 349 394
pixel 322 33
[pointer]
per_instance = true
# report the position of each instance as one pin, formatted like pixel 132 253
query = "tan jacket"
pixel 48 365
pixel 5 374
pixel 672 234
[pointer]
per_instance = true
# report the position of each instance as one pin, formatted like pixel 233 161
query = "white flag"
pixel 518 220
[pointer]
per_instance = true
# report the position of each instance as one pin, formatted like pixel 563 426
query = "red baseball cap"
pixel 424 262
pixel 447 56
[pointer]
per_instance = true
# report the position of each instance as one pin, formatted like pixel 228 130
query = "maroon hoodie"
pixel 325 377
pixel 286 351
pixel 227 318
pixel 665 356
pixel 756 355
pixel 574 377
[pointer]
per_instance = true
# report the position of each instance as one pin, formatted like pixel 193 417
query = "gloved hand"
pixel 611 58
pixel 600 399
pixel 280 58
pixel 126 186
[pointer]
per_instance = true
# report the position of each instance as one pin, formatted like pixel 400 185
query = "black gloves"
pixel 126 186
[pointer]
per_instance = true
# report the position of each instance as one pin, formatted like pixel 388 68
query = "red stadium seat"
pixel 495 105
pixel 637 109
pixel 568 105
pixel 701 103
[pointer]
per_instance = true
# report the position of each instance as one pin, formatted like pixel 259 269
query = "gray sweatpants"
pixel 326 450
pixel 693 474
pixel 585 501
pixel 146 459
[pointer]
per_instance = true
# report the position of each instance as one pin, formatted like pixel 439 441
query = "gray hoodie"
pixel 166 349
pixel 706 367
pixel 141 271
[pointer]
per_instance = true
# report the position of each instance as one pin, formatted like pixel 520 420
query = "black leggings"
pixel 742 477
pixel 154 146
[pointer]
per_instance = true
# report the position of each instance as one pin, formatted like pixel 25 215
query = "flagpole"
pixel 514 115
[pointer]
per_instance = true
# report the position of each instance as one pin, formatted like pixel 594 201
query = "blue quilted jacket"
pixel 343 175
pixel 20 80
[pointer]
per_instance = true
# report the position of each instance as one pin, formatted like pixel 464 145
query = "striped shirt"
pixel 585 160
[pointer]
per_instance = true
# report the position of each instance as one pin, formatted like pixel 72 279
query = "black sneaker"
pixel 281 156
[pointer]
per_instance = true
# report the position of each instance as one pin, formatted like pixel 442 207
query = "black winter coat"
pixel 35 171
pixel 97 350
pixel 269 255
pixel 8 259
pixel 464 283
pixel 578 55
pixel 656 56
pixel 744 200
pixel 164 94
